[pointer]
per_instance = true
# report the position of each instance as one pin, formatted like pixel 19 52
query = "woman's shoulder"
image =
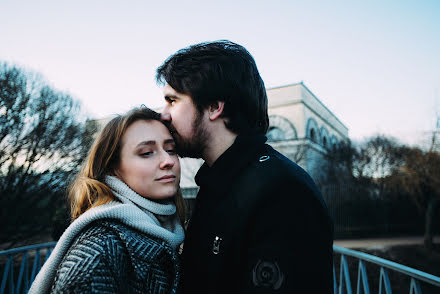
pixel 93 243
pixel 93 239
pixel 88 254
pixel 121 254
pixel 104 235
pixel 113 243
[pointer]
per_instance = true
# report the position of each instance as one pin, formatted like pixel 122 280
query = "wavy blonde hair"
pixel 88 188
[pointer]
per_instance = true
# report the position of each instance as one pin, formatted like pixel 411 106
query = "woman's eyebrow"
pixel 151 142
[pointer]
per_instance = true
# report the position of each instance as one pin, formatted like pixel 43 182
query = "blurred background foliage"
pixel 43 138
pixel 383 187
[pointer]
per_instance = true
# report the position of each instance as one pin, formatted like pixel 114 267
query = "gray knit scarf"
pixel 135 211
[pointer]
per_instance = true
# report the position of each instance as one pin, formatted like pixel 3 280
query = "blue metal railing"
pixel 416 276
pixel 26 276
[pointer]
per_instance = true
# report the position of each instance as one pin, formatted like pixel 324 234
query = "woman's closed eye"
pixel 147 153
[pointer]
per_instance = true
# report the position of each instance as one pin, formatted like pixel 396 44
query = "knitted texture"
pixel 108 257
pixel 133 210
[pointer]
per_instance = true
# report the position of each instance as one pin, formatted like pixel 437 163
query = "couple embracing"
pixel 259 224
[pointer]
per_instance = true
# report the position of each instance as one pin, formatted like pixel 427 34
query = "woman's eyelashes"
pixel 146 153
pixel 169 150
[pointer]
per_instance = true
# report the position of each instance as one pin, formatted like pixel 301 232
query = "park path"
pixel 374 243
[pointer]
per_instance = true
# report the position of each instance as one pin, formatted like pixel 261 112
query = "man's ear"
pixel 215 110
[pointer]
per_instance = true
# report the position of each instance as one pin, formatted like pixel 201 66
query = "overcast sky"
pixel 374 64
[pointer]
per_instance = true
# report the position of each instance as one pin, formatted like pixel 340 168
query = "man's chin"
pixel 189 154
pixel 185 150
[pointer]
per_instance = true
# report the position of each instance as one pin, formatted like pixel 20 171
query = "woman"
pixel 126 228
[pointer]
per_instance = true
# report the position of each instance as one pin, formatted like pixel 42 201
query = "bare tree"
pixel 372 160
pixel 420 178
pixel 435 137
pixel 298 153
pixel 43 137
pixel 383 165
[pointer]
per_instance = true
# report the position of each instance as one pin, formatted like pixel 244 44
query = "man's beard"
pixel 191 147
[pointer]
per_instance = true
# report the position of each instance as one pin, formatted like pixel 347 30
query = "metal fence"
pixel 363 286
pixel 20 259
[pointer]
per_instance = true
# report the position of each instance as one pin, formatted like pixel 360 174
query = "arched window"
pixel 312 130
pixel 312 135
pixel 334 141
pixel 275 134
pixel 324 137
pixel 280 129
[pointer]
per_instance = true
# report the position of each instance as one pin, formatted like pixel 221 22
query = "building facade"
pixel 301 127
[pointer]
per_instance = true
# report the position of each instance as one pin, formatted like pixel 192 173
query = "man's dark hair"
pixel 220 71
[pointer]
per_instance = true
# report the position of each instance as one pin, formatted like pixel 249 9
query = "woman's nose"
pixel 167 161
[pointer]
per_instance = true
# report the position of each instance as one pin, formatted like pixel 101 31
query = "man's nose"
pixel 165 115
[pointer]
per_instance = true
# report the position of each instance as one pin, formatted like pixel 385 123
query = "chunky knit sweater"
pixel 119 229
pixel 109 257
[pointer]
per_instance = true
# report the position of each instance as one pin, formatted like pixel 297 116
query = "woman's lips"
pixel 166 179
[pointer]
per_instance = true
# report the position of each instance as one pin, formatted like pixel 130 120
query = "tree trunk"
pixel 429 221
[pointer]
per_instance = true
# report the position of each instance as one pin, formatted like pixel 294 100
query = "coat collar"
pixel 244 149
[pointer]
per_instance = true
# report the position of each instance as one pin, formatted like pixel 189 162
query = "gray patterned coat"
pixel 109 257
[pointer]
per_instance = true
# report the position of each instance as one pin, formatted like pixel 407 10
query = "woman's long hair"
pixel 88 188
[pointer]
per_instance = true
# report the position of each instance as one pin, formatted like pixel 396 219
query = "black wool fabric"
pixel 260 225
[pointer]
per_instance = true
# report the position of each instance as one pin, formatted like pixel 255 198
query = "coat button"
pixel 264 158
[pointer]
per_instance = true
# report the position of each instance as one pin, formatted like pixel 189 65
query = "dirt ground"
pixel 415 256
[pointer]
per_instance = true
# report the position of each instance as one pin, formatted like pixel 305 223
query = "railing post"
pixel 11 278
pixel 5 274
pixel 386 281
pixel 23 273
pixel 385 265
pixel 344 277
pixel 415 287
pixel 36 266
pixel 48 252
pixel 362 277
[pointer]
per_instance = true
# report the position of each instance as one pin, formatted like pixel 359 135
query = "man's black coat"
pixel 259 226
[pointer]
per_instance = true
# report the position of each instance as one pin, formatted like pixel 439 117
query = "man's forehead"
pixel 168 90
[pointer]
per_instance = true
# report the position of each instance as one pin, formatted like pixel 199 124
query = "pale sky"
pixel 374 64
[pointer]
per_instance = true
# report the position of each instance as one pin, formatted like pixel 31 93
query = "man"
pixel 259 224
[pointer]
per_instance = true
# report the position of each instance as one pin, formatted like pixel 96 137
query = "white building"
pixel 301 127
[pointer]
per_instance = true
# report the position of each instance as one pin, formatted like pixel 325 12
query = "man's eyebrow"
pixel 169 141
